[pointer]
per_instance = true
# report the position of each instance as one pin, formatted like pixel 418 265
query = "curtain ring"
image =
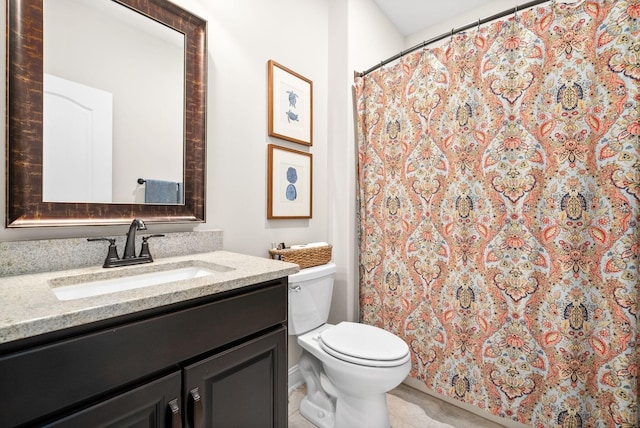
pixel 515 13
pixel 452 34
pixel 478 29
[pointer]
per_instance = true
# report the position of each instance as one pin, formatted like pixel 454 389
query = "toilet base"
pixel 326 407
pixel 316 414
pixel 317 406
pixel 362 412
pixel 351 412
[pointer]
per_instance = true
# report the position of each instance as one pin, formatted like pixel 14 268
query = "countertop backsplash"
pixel 37 256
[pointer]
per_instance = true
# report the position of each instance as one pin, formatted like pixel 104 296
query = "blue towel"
pixel 180 194
pixel 162 192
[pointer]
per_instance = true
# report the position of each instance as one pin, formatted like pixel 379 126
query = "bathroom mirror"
pixel 113 104
pixel 25 65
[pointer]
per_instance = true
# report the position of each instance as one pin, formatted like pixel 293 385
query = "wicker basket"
pixel 304 257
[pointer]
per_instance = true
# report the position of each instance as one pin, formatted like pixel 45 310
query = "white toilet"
pixel 348 367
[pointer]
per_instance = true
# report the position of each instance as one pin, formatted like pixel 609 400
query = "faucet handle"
pixel 112 254
pixel 144 250
pixel 157 235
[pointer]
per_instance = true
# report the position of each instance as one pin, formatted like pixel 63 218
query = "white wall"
pixel 242 36
pixel 325 41
pixel 372 37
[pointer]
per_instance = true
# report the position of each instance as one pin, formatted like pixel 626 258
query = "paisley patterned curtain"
pixel 499 179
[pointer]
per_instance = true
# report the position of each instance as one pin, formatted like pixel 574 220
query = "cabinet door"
pixel 245 386
pixel 155 404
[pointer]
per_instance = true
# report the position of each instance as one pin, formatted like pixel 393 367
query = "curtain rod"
pixel 455 31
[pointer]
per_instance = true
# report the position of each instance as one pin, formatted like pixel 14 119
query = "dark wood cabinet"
pixel 217 361
pixel 238 388
pixel 147 406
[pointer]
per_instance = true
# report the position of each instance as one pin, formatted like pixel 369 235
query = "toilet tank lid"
pixel 313 272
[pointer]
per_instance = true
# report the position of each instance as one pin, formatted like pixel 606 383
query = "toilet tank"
pixel 310 293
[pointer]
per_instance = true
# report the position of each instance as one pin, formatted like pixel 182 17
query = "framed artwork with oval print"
pixel 289 183
pixel 290 105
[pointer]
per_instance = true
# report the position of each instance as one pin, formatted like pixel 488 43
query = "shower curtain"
pixel 499 203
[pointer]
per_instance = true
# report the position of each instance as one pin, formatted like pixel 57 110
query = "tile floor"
pixel 442 411
pixel 431 412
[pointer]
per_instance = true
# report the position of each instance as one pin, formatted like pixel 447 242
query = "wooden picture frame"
pixel 290 179
pixel 290 105
pixel 25 206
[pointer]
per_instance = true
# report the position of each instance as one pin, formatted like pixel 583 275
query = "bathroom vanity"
pixel 208 351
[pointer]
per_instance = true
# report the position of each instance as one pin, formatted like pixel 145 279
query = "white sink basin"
pixel 71 288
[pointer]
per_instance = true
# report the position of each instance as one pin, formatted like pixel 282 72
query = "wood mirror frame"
pixel 24 136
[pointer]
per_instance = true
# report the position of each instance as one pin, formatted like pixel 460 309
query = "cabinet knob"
pixel 195 404
pixel 175 418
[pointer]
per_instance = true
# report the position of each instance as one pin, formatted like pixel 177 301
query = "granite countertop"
pixel 30 306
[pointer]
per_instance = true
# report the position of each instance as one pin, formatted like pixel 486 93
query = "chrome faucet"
pixel 129 256
pixel 130 246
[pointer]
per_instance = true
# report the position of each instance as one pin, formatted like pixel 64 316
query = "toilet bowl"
pixel 357 380
pixel 348 367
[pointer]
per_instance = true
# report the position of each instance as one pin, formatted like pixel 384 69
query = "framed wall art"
pixel 290 105
pixel 289 183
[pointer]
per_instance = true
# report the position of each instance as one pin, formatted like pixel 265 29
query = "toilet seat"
pixel 364 345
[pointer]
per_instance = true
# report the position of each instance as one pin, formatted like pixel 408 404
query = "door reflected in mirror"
pixel 113 105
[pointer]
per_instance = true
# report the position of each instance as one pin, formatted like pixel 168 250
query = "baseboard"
pixel 295 378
